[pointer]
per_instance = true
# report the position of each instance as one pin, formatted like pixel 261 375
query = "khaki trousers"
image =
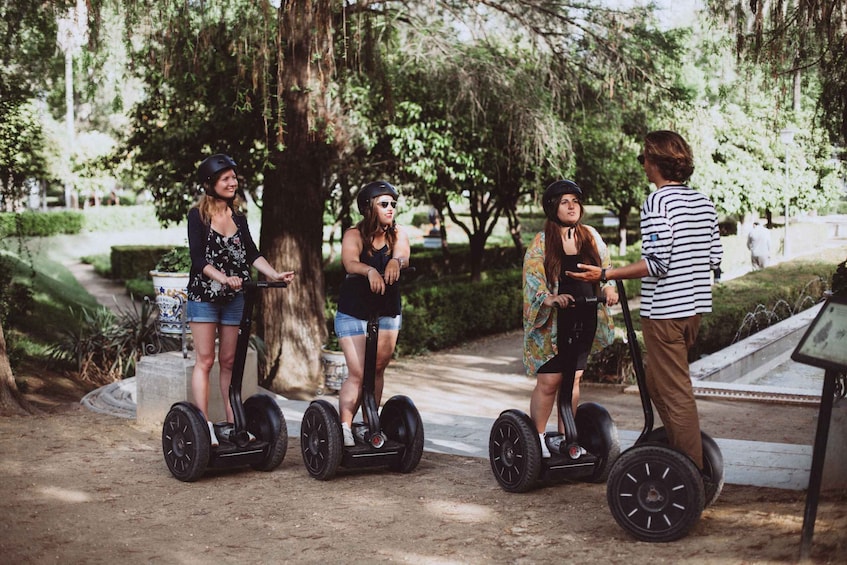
pixel 669 381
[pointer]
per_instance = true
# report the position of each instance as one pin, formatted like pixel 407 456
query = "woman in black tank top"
pixel 373 252
pixel 557 334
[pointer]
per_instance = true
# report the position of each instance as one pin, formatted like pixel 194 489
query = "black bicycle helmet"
pixel 213 165
pixel 371 191
pixel 553 195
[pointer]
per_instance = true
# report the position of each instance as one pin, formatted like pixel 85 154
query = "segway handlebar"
pixel 264 284
pixel 586 301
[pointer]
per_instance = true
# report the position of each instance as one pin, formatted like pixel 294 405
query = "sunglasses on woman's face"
pixel 387 203
pixel 641 159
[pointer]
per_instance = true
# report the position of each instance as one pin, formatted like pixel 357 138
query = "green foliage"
pixel 839 280
pixel 786 289
pixel 40 224
pixel 177 260
pixel 22 144
pixel 16 301
pixel 136 261
pixel 140 288
pixel 432 264
pixel 119 218
pixel 102 264
pixel 106 347
pixel 54 292
pixel 441 315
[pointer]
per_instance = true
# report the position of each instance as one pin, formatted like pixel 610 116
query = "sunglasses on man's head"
pixel 387 203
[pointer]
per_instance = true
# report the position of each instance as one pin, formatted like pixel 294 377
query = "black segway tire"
pixel 321 442
pixel 514 452
pixel 599 436
pixel 401 422
pixel 186 443
pixel 266 422
pixel 655 493
pixel 713 472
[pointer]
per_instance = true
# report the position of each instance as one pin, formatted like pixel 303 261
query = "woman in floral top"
pixel 222 253
pixel 547 294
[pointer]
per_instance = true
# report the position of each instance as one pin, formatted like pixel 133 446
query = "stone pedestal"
pixel 165 378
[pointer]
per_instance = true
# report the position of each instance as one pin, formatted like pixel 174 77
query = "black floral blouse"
pixel 232 255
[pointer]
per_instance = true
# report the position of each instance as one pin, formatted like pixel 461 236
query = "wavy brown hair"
pixel 670 153
pixel 554 251
pixel 369 226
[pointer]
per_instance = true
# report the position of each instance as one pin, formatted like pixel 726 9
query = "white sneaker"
pixel 359 431
pixel 212 434
pixel 348 436
pixel 545 453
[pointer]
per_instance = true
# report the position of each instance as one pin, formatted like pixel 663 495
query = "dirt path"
pixel 83 487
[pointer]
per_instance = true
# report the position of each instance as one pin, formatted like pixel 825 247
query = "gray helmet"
pixel 371 191
pixel 553 195
pixel 213 165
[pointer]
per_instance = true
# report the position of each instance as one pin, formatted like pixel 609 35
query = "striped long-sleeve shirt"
pixel 681 244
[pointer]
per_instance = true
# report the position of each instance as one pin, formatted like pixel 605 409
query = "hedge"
pixel 136 261
pixel 40 224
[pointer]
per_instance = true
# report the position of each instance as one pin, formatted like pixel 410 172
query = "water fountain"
pixel 757 365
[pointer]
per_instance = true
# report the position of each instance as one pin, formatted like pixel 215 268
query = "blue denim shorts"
pixel 226 314
pixel 348 326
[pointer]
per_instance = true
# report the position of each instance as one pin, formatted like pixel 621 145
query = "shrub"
pixel 450 312
pixel 177 260
pixel 106 347
pixel 40 224
pixel 136 261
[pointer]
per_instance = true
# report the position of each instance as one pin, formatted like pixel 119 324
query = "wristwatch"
pixel 603 275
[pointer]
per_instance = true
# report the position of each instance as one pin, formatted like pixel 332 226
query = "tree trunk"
pixel 294 325
pixel 11 400
pixel 477 250
pixel 623 227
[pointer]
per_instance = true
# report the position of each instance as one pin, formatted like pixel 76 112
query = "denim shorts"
pixel 348 326
pixel 226 314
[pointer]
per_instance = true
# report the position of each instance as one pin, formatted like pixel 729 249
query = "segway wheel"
pixel 401 422
pixel 655 493
pixel 321 442
pixel 713 473
pixel 266 422
pixel 599 435
pixel 514 452
pixel 185 443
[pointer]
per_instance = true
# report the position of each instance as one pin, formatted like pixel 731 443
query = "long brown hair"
pixel 554 251
pixel 369 226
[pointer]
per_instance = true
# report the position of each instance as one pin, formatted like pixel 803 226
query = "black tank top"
pixel 580 322
pixel 356 299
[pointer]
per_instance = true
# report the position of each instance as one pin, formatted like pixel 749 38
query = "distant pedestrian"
pixel 759 244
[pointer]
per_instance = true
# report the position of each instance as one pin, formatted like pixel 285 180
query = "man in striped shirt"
pixel 680 247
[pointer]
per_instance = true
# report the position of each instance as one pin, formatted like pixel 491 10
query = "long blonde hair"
pixel 206 203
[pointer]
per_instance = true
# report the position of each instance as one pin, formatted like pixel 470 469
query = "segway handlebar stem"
pixel 637 363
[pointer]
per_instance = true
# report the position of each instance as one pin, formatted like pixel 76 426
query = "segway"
pixel 186 442
pixel 655 492
pixel 584 452
pixel 393 438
